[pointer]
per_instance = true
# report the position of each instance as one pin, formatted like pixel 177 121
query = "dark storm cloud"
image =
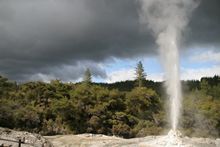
pixel 204 26
pixel 60 38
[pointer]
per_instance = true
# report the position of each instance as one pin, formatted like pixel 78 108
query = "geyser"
pixel 167 19
pixel 170 56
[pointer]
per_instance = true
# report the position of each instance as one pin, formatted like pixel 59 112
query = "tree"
pixel 87 76
pixel 205 87
pixel 143 103
pixel 140 75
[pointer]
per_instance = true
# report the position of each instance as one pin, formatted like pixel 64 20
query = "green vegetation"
pixel 87 79
pixel 140 75
pixel 201 115
pixel 121 109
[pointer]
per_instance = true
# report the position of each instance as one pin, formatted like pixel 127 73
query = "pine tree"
pixel 87 76
pixel 140 75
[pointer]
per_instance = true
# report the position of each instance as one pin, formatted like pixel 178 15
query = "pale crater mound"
pixel 173 139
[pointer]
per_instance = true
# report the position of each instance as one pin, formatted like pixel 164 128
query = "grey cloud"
pixel 68 72
pixel 51 37
pixel 204 25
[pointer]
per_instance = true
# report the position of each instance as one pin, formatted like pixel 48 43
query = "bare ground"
pixel 90 140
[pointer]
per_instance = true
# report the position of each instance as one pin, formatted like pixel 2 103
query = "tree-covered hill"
pixel 129 85
pixel 125 109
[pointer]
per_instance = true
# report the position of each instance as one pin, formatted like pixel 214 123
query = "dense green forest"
pixel 127 109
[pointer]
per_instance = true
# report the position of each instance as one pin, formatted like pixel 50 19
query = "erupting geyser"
pixel 167 19
pixel 170 56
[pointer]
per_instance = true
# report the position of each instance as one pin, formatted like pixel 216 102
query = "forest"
pixel 127 109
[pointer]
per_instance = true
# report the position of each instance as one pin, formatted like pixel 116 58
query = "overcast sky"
pixel 59 39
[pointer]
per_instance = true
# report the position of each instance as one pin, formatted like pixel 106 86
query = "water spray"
pixel 167 19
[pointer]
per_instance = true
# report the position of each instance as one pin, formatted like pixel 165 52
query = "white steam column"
pixel 170 57
pixel 167 20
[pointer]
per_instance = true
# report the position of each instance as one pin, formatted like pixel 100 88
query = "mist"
pixel 167 20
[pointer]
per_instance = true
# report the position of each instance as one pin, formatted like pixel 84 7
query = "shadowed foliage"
pixel 120 109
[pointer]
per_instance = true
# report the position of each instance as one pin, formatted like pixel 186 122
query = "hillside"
pixel 122 109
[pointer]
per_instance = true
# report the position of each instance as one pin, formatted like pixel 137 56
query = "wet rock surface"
pixel 11 138
pixel 91 140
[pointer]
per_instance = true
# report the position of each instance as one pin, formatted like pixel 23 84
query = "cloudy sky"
pixel 59 39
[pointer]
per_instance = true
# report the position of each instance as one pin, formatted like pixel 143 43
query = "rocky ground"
pixel 10 138
pixel 90 140
pixel 173 139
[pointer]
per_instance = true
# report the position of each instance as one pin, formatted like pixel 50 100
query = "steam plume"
pixel 167 19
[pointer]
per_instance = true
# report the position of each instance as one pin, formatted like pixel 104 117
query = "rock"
pixel 11 137
pixel 175 134
pixel 217 142
pixel 85 140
